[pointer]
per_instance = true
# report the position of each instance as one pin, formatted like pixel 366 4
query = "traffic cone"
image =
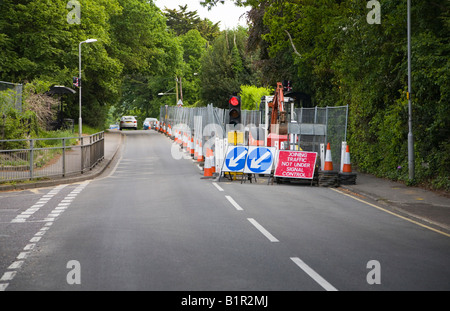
pixel 328 162
pixel 347 167
pixel 207 167
pixel 200 151
pixel 347 177
pixel 213 163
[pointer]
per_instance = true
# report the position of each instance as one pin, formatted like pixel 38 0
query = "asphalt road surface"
pixel 152 223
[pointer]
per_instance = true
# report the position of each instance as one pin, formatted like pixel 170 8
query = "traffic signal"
pixel 234 106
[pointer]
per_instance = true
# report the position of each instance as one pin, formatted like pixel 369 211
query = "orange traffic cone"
pixel 328 162
pixel 347 167
pixel 207 172
pixel 200 151
pixel 213 162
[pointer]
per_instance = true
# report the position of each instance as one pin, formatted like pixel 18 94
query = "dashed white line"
pixel 233 202
pixel 217 186
pixel 22 255
pixel 16 265
pixel 62 206
pixel 29 247
pixel 8 276
pixel 266 233
pixel 34 208
pixel 313 274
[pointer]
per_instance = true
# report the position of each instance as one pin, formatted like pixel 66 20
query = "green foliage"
pixel 225 67
pixel 251 96
pixel 182 21
pixel 341 59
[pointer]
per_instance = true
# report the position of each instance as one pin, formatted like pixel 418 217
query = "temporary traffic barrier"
pixel 196 150
pixel 200 151
pixel 188 144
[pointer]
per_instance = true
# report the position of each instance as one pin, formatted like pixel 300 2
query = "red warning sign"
pixel 296 164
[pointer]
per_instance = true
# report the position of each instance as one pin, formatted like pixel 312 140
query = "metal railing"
pixel 26 159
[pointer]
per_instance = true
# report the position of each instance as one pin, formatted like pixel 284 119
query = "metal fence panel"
pixel 36 159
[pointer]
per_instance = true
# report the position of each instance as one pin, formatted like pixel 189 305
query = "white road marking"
pixel 233 202
pixel 313 274
pixel 22 255
pixel 392 213
pixel 40 203
pixel 217 186
pixel 8 276
pixel 62 206
pixel 29 247
pixel 266 233
pixel 16 265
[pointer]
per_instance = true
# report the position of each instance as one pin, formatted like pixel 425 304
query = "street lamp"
pixel 79 79
pixel 166 92
pixel 410 133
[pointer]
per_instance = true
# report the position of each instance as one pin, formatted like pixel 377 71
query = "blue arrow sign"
pixel 235 159
pixel 259 160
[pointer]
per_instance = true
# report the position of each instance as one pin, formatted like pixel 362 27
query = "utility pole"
pixel 410 133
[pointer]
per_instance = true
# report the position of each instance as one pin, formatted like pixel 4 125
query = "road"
pixel 152 223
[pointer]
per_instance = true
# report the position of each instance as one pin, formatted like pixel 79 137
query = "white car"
pixel 128 122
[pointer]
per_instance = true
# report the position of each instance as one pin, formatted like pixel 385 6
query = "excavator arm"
pixel 278 115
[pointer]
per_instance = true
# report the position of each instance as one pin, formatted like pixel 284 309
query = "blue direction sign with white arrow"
pixel 235 159
pixel 259 160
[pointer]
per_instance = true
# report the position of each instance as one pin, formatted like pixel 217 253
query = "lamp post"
pixel 80 131
pixel 410 133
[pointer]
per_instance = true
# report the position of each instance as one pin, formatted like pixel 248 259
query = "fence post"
pixel 64 157
pixel 31 158
pixel 81 155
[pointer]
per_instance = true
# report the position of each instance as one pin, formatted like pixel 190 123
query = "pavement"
pixel 428 208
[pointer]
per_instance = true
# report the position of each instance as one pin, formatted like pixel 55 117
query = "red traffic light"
pixel 234 101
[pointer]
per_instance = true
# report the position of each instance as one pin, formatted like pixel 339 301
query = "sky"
pixel 227 14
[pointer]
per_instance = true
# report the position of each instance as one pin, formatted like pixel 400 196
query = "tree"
pixel 194 46
pixel 251 96
pixel 182 21
pixel 151 56
pixel 225 67
pixel 38 43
